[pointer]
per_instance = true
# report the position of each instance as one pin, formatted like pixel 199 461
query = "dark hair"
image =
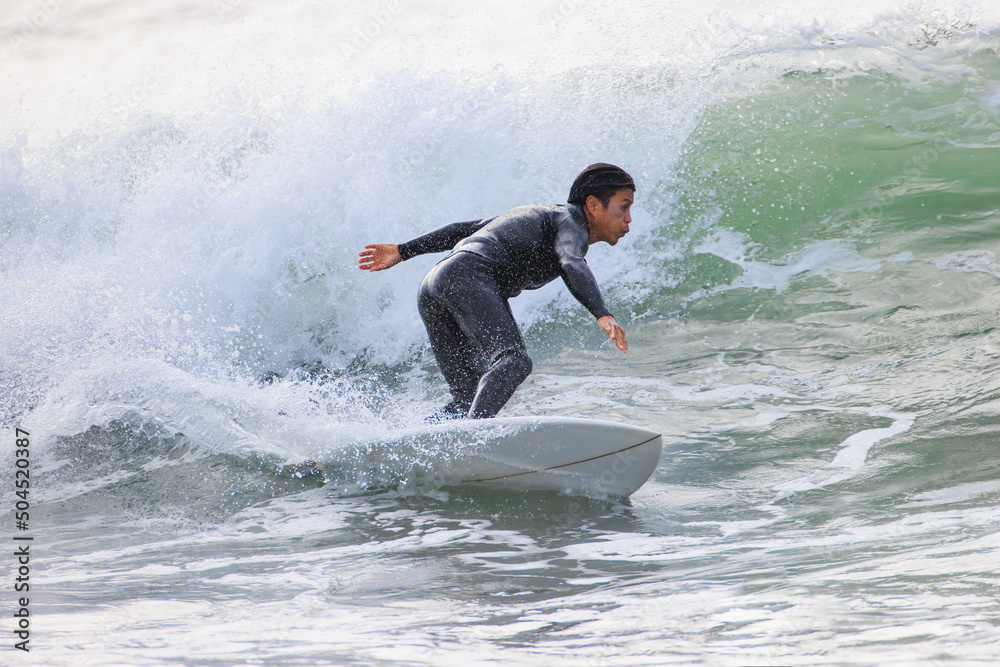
pixel 602 180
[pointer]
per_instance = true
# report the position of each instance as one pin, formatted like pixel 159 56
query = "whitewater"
pixel 809 290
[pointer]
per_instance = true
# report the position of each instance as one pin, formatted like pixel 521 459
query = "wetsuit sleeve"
pixel 441 239
pixel 571 245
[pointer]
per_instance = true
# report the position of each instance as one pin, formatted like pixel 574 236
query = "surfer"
pixel 463 301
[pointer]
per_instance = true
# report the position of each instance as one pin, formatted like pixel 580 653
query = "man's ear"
pixel 593 205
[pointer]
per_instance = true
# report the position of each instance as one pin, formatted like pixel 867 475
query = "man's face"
pixel 610 224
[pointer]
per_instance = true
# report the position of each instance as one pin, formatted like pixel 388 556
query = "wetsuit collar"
pixel 579 215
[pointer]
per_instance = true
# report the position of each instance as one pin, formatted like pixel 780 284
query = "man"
pixel 463 301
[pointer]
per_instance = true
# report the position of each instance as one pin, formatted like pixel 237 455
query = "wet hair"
pixel 602 180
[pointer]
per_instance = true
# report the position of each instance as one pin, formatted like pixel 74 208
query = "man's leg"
pixel 470 325
pixel 458 356
pixel 486 317
pixel 505 375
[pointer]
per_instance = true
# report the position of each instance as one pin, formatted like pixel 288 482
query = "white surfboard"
pixel 577 456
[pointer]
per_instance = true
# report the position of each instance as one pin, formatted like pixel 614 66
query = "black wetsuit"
pixel 464 299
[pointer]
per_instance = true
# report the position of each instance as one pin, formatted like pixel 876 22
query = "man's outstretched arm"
pixel 380 256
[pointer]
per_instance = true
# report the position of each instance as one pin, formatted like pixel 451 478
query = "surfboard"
pixel 569 455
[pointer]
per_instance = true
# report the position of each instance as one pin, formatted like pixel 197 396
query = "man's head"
pixel 601 180
pixel 605 193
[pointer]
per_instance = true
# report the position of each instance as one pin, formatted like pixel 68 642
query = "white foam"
pixel 816 259
pixel 853 454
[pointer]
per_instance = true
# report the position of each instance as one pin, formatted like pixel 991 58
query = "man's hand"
pixel 615 332
pixel 379 256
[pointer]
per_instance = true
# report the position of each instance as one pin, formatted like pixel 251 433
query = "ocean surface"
pixel 810 291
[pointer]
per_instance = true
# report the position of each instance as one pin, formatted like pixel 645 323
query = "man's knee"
pixel 516 363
